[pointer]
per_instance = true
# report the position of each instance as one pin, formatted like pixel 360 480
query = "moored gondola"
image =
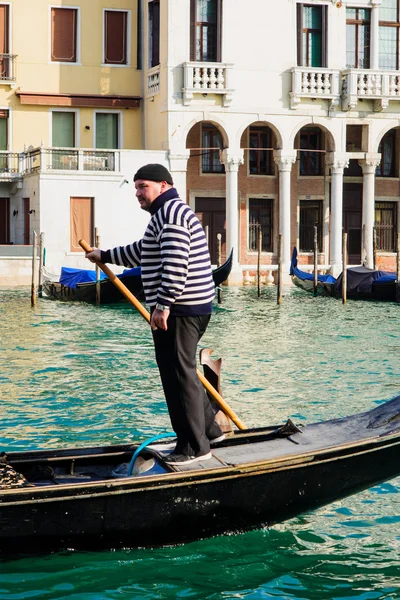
pixel 80 284
pixel 114 496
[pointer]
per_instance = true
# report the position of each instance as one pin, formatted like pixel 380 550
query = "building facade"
pixel 273 120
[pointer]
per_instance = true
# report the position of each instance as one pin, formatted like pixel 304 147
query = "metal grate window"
pixel 310 216
pixel 386 226
pixel 260 215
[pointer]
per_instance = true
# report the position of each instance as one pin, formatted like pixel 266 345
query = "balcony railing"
pixel 379 86
pixel 10 166
pixel 7 68
pixel 315 83
pixel 153 81
pixel 207 78
pixel 70 159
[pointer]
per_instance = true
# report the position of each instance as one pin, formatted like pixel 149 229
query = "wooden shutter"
pixel 63 34
pixel 81 222
pixel 324 36
pixel 4 220
pixel 4 41
pixel 115 37
pixel 299 35
pixel 193 10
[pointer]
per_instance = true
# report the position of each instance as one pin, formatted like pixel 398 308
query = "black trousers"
pixel 190 411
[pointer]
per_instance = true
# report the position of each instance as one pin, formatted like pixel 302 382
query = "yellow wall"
pixel 30 41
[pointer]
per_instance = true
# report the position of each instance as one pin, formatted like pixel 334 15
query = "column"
pixel 178 168
pixel 368 166
pixel 232 163
pixel 337 167
pixel 375 34
pixel 285 160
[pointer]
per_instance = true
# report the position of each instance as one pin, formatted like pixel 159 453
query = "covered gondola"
pixel 80 284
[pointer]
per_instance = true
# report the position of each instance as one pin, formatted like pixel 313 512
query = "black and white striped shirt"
pixel 174 257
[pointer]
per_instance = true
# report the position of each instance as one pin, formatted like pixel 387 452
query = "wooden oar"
pixel 146 315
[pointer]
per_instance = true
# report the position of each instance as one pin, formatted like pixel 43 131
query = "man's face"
pixel 148 191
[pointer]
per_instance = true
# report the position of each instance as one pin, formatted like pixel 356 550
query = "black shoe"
pixel 184 459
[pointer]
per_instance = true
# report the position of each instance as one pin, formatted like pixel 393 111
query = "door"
pixel 352 220
pixel 27 224
pixel 4 220
pixel 82 219
pixel 212 215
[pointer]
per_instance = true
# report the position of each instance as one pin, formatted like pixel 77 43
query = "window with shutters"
pixel 82 227
pixel 311 35
pixel 64 35
pixel 4 41
pixel 63 136
pixel 154 33
pixel 311 155
pixel 116 37
pixel 386 226
pixel 260 216
pixel 107 130
pixel 260 158
pixel 205 30
pixel 4 114
pixel 310 217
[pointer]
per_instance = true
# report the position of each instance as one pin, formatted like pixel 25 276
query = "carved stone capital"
pixel 285 160
pixel 231 161
pixel 369 163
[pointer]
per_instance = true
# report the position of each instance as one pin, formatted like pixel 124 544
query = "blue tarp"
pixel 305 276
pixel 72 277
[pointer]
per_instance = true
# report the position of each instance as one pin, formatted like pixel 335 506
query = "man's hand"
pixel 94 255
pixel 159 319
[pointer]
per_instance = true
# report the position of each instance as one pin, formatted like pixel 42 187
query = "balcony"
pixel 379 86
pixel 201 79
pixel 69 159
pixel 7 69
pixel 315 84
pixel 10 166
pixel 153 81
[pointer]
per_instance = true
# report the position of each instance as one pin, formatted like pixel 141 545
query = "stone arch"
pixel 331 144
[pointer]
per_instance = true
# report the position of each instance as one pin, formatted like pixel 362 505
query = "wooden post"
pixel 206 231
pixel 34 269
pixel 344 274
pixel 279 290
pixel 315 261
pixel 374 247
pixel 219 262
pixel 97 244
pixel 398 269
pixel 259 244
pixel 41 262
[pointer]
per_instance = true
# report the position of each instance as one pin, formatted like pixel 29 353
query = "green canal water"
pixel 74 374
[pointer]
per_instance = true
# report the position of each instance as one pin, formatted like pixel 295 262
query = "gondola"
pixel 362 283
pixel 80 284
pixel 128 496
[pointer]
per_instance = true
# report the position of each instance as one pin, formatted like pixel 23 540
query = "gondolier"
pixel 179 290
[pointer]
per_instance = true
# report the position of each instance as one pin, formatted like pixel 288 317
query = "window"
pixel 107 130
pixel 260 160
pixel 386 226
pixel 211 144
pixel 311 163
pixel 4 129
pixel 260 215
pixel 358 38
pixel 311 35
pixel 64 34
pixel 310 217
pixel 4 42
pixel 81 222
pixel 205 30
pixel 115 37
pixel 389 31
pixel 63 126
pixel 154 33
pixel 387 148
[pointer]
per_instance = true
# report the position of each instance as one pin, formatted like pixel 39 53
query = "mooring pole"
pixel 259 244
pixel 398 269
pixel 344 274
pixel 315 261
pixel 34 268
pixel 41 262
pixel 97 244
pixel 219 262
pixel 374 247
pixel 279 290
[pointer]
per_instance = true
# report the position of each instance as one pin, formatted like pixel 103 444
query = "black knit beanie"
pixel 154 172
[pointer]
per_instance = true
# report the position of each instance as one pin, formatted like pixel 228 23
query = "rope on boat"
pixel 143 445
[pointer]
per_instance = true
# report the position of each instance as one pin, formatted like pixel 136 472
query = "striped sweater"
pixel 174 257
